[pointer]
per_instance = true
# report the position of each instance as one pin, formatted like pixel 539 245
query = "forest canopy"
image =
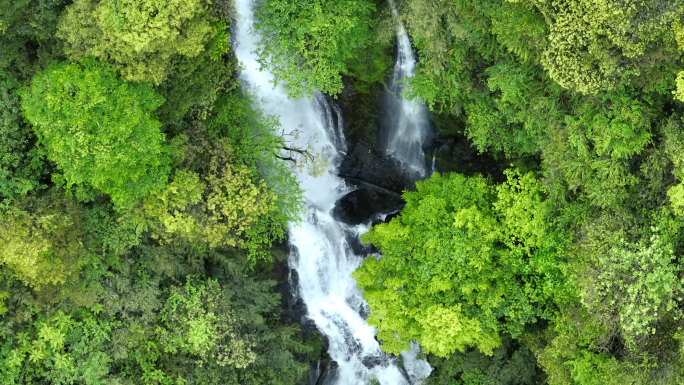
pixel 99 130
pixel 144 198
pixel 573 255
pixel 143 205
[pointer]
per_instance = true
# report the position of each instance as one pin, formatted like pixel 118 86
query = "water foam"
pixel 321 253
pixel 406 124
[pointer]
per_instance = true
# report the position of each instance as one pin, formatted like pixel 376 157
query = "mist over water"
pixel 321 253
pixel 406 124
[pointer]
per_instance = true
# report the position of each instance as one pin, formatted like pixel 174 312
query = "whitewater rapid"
pixel 320 249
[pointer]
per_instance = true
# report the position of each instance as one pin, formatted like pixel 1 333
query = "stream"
pixel 321 247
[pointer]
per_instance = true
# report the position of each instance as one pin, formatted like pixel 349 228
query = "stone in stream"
pixel 366 162
pixel 358 206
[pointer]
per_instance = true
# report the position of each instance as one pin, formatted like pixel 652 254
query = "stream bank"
pixel 378 179
pixel 374 182
pixel 367 161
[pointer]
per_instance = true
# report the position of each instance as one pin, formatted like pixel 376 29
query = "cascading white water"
pixel 406 124
pixel 321 253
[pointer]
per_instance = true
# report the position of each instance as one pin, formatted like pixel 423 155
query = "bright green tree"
pixel 99 130
pixel 306 43
pixel 594 45
pixel 464 263
pixel 40 241
pixel 140 39
pixel 219 210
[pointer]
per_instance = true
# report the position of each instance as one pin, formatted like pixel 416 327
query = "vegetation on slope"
pixel 574 260
pixel 142 195
pixel 143 202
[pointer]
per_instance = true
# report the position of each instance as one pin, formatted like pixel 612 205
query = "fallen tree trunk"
pixel 371 185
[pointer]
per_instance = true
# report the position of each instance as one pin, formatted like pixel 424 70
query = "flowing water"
pixel 406 124
pixel 321 253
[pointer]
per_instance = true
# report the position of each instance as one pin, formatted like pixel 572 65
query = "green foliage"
pixel 61 349
pixel 596 45
pixel 214 212
pixel 234 200
pixel 191 325
pixel 473 66
pixel 578 350
pixel 196 83
pixel 141 40
pixel 27 34
pixel 99 130
pixel 620 130
pixel 623 326
pixel 153 267
pixel 20 168
pixel 639 283
pixel 464 263
pixel 509 364
pixel 40 241
pixel 150 324
pixel 148 267
pixel 306 43
pixel 235 191
pixel 455 40
pixel 168 209
pixel 365 76
pixel 256 143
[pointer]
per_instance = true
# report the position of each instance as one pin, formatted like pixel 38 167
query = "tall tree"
pixel 99 130
pixel 141 39
pixel 27 34
pixel 464 263
pixel 306 43
pixel 40 241
pixel 20 166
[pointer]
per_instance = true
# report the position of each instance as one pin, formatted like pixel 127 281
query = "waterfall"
pixel 434 167
pixel 405 125
pixel 320 249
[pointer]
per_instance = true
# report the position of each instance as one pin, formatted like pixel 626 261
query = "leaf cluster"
pixel 464 263
pixel 306 43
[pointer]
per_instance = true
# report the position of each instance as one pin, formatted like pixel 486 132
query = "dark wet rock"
pixel 365 159
pixel 457 154
pixel 359 205
pixel 293 309
pixel 329 376
pixel 315 371
pixel 372 361
pixel 372 186
pixel 368 163
pixel 403 371
pixel 362 110
pixel 359 248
